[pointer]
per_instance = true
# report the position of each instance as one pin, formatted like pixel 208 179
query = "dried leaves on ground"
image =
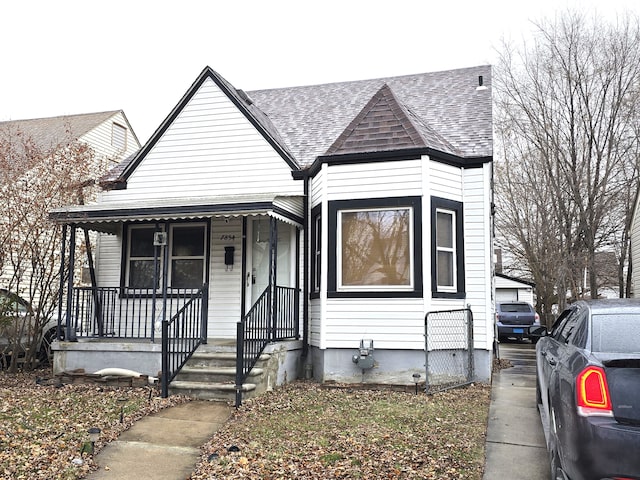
pixel 303 430
pixel 43 425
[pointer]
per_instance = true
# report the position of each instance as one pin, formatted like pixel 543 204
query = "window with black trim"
pixel 376 247
pixel 316 249
pixel 187 256
pixel 447 260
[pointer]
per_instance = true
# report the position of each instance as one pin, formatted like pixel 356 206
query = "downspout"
pixel 305 269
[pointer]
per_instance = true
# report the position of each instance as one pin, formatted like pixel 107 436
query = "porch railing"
pixel 116 312
pixel 268 320
pixel 181 336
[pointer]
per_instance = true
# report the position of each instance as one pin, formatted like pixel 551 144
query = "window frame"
pixel 169 228
pixel 336 207
pixel 316 251
pixel 455 208
pixel 172 257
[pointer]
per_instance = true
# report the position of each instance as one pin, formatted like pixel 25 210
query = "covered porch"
pixel 166 279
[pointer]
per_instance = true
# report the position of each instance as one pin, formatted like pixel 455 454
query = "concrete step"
pixel 210 391
pixel 218 359
pixel 207 374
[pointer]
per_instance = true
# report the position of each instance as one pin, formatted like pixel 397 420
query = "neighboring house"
pixel 510 289
pixel 108 134
pixel 314 216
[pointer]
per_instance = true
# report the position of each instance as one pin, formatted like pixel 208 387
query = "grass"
pixel 305 430
pixel 302 430
pixel 43 426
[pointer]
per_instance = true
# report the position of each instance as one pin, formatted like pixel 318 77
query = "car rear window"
pixel 615 333
pixel 515 307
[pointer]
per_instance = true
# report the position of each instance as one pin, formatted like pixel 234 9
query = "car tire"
pixel 556 468
pixel 45 355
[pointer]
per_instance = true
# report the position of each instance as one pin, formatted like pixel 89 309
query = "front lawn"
pixel 308 431
pixel 43 426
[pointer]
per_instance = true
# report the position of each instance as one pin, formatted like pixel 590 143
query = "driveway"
pixel 515 445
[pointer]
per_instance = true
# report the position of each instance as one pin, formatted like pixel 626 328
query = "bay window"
pixel 376 247
pixel 447 271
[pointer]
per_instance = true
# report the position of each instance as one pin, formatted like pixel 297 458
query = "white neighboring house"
pixel 510 289
pixel 314 216
pixel 108 134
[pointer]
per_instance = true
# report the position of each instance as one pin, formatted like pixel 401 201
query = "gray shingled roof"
pixel 448 104
pixel 47 132
pixel 446 109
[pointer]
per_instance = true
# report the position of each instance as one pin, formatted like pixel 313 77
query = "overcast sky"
pixel 66 57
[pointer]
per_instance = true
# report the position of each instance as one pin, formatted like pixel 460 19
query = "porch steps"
pixel 210 374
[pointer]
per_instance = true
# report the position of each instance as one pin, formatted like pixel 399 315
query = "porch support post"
pixel 165 325
pixel 63 248
pixel 72 259
pixel 94 285
pixel 273 261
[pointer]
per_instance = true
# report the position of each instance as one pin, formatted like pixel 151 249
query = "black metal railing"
pixel 181 336
pixel 274 316
pixel 122 312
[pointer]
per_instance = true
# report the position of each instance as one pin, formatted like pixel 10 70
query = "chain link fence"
pixel 448 349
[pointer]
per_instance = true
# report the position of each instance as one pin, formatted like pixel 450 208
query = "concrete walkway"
pixel 163 446
pixel 515 445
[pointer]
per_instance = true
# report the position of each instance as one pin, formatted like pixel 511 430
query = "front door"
pixel 257 274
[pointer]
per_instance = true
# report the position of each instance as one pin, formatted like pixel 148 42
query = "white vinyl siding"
pixel 378 179
pixel 210 147
pixel 396 323
pixel 478 252
pixel 225 284
pixel 100 137
pixel 445 181
pixel 108 260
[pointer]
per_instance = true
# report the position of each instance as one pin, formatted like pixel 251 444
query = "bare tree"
pixel 566 117
pixel 34 179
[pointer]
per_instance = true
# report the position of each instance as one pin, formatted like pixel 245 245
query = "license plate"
pixel 518 330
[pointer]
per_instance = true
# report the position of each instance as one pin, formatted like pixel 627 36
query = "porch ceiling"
pixel 105 216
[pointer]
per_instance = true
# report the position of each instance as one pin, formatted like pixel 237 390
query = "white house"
pixel 310 218
pixel 108 134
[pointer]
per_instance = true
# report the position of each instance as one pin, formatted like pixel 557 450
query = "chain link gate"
pixel 448 349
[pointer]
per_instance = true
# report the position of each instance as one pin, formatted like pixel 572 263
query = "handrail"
pixel 274 316
pixel 182 334
pixel 252 336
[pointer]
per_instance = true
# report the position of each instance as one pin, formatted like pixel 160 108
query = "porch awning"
pixel 105 216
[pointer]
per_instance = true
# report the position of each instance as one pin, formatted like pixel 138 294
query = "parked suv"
pixel 514 319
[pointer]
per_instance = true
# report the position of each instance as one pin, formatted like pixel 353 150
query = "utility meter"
pixel 364 359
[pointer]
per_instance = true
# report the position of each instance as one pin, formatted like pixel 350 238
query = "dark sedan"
pixel 588 390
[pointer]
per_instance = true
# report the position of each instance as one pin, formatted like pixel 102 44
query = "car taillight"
pixel 593 393
pixel 537 320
